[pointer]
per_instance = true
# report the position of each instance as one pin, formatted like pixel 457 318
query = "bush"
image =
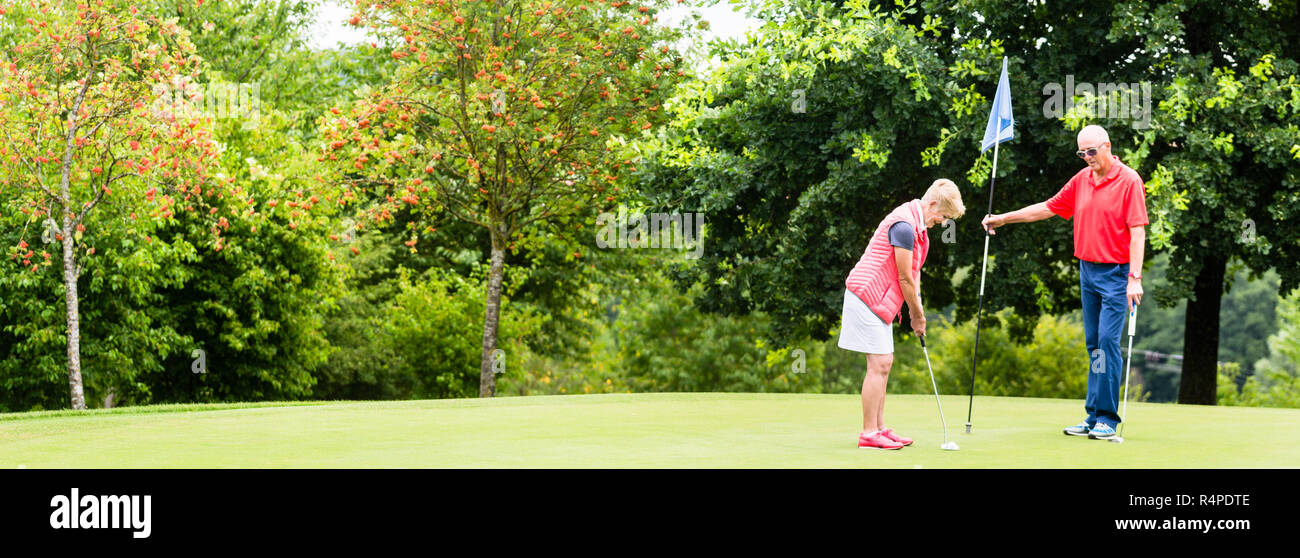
pixel 1276 382
pixel 424 340
pixel 124 335
pixel 664 343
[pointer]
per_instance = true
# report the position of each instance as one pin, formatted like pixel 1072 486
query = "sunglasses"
pixel 1090 152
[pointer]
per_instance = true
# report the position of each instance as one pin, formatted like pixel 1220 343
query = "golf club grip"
pixel 1132 321
pixel 922 338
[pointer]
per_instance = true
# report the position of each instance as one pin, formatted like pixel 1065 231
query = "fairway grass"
pixel 659 430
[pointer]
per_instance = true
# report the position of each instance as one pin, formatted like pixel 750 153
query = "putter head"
pixel 950 446
pixel 1117 440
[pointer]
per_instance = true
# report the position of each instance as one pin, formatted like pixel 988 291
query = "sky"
pixel 331 25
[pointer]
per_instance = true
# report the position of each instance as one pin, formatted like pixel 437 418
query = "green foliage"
pixel 356 328
pixel 124 338
pixel 254 303
pixel 1276 382
pixel 264 42
pixel 594 371
pixel 809 133
pixel 1284 345
pixel 1273 389
pixel 422 341
pixel 234 276
pixel 1248 316
pixel 665 344
pixel 434 329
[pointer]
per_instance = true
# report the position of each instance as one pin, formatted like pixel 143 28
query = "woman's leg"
pixel 884 391
pixel 873 391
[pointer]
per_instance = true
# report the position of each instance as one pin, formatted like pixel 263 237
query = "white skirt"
pixel 862 330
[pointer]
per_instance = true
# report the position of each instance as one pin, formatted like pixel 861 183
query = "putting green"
pixel 643 430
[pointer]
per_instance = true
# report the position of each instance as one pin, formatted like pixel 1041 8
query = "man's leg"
pixel 1092 301
pixel 1114 309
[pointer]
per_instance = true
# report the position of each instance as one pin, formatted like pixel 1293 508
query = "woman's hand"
pixel 918 323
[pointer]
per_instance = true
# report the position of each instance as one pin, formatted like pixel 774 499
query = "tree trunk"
pixel 74 314
pixel 1201 338
pixel 70 271
pixel 487 385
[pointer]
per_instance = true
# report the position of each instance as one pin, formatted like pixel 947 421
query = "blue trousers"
pixel 1103 289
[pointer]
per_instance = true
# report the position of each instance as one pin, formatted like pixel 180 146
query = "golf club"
pixel 951 446
pixel 1132 326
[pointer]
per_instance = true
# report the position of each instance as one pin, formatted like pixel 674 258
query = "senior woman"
pixel 887 275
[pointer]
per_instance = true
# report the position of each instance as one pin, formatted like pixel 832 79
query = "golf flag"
pixel 1001 124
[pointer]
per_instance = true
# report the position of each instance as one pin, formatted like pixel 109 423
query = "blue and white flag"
pixel 1001 125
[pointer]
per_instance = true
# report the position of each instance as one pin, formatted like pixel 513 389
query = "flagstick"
pixel 980 308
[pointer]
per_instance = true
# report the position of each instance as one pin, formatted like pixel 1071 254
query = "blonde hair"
pixel 948 196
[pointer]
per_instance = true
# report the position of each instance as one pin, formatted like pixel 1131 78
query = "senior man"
pixel 1107 202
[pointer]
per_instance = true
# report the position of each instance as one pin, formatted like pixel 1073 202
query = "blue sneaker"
pixel 1102 432
pixel 1081 429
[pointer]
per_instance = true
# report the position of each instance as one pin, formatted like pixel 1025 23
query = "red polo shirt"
pixel 1103 211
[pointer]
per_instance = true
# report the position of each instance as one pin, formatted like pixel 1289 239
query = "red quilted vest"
pixel 874 279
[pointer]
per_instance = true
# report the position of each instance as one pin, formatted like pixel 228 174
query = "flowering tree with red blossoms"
pixel 84 125
pixel 507 115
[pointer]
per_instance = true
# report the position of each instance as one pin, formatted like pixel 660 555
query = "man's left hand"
pixel 1134 292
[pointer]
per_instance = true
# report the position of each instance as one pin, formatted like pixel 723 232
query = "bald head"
pixel 1093 135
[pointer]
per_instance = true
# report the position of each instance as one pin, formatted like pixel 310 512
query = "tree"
pixel 77 99
pixel 503 115
pixel 1225 140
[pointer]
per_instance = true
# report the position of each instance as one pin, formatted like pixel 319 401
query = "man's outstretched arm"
pixel 1036 212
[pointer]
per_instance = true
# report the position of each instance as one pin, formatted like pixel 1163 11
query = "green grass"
pixel 642 430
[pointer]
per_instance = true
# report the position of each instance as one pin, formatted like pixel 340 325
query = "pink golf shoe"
pixel 889 433
pixel 877 441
